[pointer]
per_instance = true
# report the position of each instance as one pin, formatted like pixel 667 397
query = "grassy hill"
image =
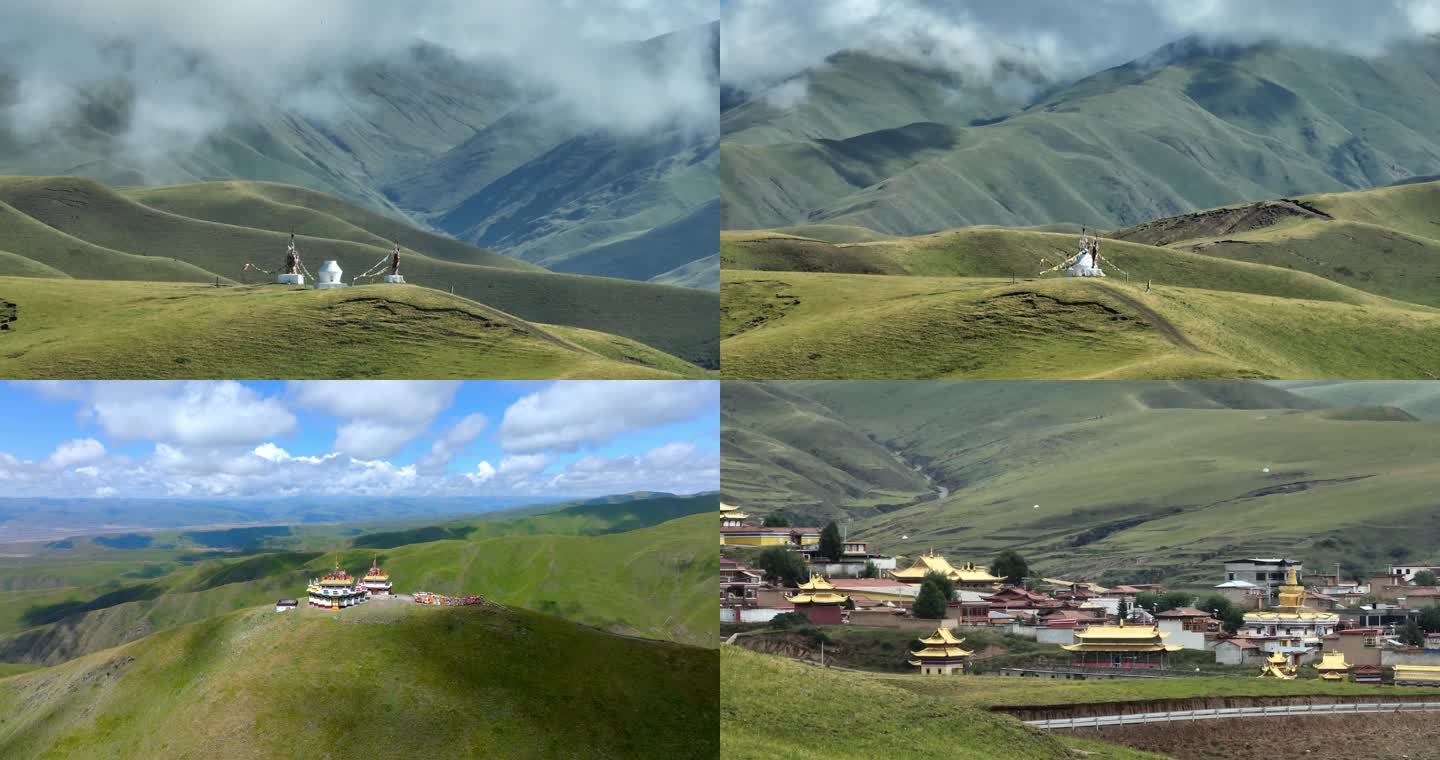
pixel 382 680
pixel 88 231
pixel 844 326
pixel 1291 288
pixel 1160 479
pixel 854 715
pixel 1187 127
pixel 650 581
pixel 144 330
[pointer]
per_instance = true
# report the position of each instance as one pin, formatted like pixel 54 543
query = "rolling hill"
pixel 382 680
pixel 1313 287
pixel 86 231
pixel 1124 479
pixel 1189 126
pixel 631 568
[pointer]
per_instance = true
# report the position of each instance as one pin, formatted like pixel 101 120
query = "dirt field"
pixel 1374 737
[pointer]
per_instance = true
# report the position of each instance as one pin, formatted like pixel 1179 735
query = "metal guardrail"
pixel 1350 708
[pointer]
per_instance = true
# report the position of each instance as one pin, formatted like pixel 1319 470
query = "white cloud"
pixel 383 415
pixel 484 473
pixel 764 42
pixel 572 415
pixel 213 413
pixel 106 492
pixel 453 441
pixel 677 467
pixel 81 451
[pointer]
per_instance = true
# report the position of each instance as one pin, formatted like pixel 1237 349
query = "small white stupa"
pixel 1086 263
pixel 329 276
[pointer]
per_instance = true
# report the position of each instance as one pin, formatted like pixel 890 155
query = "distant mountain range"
pixel 890 147
pixel 449 144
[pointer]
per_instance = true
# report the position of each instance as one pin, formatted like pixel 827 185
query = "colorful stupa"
pixel 337 590
pixel 1290 627
pixel 376 581
pixel 942 654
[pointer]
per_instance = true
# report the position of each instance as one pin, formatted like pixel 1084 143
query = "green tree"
pixel 1147 600
pixel 870 571
pixel 1424 578
pixel 1172 599
pixel 1010 566
pixel 781 566
pixel 1123 611
pixel 775 520
pixel 930 605
pixel 1411 634
pixel 1232 619
pixel 831 546
pixel 1430 619
pixel 1217 604
pixel 944 585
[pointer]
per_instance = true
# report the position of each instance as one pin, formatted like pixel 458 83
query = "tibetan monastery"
pixel 942 655
pixel 1289 627
pixel 1121 646
pixel 376 581
pixel 731 516
pixel 1333 667
pixel 337 590
pixel 1417 675
pixel 819 603
pixel 967 576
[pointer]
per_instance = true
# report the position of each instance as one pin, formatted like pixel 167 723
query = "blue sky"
pixel 365 438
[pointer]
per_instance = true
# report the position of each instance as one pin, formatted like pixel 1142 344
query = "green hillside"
pixel 1124 479
pixel 652 581
pixel 143 330
pixel 856 715
pixel 89 231
pixel 1187 127
pixel 377 681
pixel 779 325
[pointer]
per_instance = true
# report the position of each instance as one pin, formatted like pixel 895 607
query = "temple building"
pixel 376 581
pixel 819 603
pixel 942 654
pixel 1278 665
pixel 1290 627
pixel 1333 667
pixel 1120 646
pixel 967 576
pixel 337 590
pixel 731 516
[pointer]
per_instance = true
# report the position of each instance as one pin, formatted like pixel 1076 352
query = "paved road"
pixel 1274 711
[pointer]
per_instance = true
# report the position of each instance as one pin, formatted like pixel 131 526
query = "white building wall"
pixel 1054 635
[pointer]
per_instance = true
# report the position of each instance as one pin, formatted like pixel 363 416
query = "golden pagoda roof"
pixel 1332 661
pixel 937 653
pixel 729 510
pixel 816 583
pixel 1121 638
pixel 942 636
pixel 930 562
pixel 824 597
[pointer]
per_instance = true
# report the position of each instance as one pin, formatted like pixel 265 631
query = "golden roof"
pixel 942 636
pixel 727 510
pixel 1333 661
pixel 816 583
pixel 937 653
pixel 1303 613
pixel 930 562
pixel 823 597
pixel 1121 638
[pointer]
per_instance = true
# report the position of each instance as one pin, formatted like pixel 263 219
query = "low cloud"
pixel 573 415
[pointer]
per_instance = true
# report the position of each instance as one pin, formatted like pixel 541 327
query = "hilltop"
pixel 1189 126
pixel 72 229
pixel 1317 286
pixel 384 679
pixel 1122 478
pixel 638 568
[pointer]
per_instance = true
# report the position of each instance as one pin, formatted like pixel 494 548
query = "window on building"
pixel 1259 576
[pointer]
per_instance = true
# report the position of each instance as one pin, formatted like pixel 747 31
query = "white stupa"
pixel 292 261
pixel 1084 266
pixel 329 276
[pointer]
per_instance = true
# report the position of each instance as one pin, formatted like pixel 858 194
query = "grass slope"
pixel 853 715
pixel 381 681
pixel 1161 479
pixel 813 325
pixel 678 321
pixel 653 581
pixel 112 329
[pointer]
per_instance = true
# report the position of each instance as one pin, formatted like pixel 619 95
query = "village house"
pixel 1238 651
pixel 1267 573
pixel 1189 627
pixel 1407 571
pixel 1361 646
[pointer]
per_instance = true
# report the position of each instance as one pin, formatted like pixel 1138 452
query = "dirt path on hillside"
pixel 1162 325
